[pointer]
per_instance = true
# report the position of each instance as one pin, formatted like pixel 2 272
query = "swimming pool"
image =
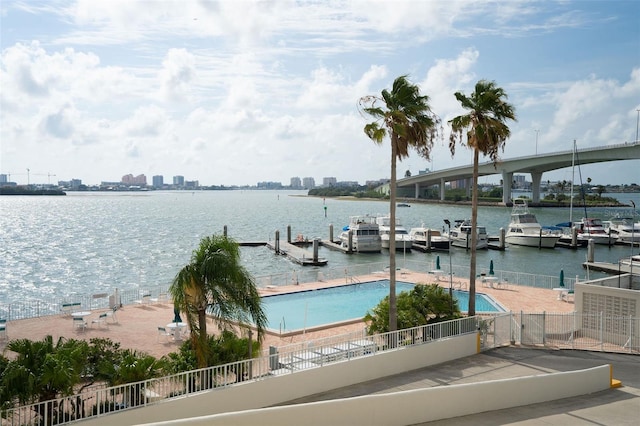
pixel 313 308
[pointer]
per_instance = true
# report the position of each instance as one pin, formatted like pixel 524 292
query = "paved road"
pixel 612 407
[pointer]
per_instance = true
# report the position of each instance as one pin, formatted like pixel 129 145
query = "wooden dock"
pixel 296 254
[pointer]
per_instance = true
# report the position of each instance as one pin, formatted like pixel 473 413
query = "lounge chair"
pixel 146 299
pixel 568 296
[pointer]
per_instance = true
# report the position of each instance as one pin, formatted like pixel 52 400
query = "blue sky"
pixel 238 92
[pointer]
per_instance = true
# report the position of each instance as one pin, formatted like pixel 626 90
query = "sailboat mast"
pixel 573 165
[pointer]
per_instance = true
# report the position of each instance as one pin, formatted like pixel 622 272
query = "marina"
pixel 55 247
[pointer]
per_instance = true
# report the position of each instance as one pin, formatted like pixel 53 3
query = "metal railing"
pixel 285 360
pixel 39 308
pixel 566 330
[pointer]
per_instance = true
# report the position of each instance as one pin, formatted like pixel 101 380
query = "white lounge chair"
pixel 146 299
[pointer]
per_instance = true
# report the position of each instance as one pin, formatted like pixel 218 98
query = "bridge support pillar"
pixel 536 178
pixel 416 192
pixel 507 179
pixel 442 189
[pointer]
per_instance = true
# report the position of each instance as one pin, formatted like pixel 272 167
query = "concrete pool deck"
pixel 137 324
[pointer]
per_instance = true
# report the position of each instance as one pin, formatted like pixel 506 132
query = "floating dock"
pixel 609 268
pixel 296 254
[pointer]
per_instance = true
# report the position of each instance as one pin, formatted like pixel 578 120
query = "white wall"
pixel 421 405
pixel 275 390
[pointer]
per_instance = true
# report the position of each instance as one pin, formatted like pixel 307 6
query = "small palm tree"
pixel 405 115
pixel 486 133
pixel 215 282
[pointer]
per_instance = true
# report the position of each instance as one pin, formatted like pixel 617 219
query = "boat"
pixel 624 228
pixel 524 229
pixel 365 234
pixel 591 228
pixel 403 205
pixel 404 242
pixel 420 237
pixel 633 260
pixel 460 235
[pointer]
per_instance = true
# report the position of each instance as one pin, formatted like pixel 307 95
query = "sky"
pixel 241 92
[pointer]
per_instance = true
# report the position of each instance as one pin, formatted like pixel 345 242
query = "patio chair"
pixel 568 296
pixel 146 299
pixel 112 314
pixel 102 319
pixel 162 331
pixel 3 329
pixel 79 323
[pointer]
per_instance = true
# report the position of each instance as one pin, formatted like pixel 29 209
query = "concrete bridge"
pixel 536 165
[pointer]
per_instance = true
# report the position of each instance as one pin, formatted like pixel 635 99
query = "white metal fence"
pixel 567 330
pixel 286 360
pixel 40 308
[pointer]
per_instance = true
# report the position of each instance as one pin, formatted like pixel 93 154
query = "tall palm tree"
pixel 486 133
pixel 405 115
pixel 217 283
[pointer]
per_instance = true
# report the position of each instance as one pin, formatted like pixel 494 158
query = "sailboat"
pixel 589 228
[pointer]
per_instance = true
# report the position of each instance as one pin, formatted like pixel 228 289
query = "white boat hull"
pixel 544 241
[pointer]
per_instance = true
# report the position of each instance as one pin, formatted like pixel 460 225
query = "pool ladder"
pixel 283 323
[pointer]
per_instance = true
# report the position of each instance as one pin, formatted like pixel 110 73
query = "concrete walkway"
pixel 612 407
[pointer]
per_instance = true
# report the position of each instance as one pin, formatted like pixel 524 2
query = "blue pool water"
pixel 312 308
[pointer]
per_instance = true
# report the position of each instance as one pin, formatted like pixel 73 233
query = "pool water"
pixel 312 308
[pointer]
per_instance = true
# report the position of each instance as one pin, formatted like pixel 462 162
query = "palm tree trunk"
pixel 201 351
pixel 474 235
pixel 393 313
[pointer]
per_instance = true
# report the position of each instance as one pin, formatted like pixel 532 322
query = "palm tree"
pixel 406 117
pixel 486 132
pixel 215 282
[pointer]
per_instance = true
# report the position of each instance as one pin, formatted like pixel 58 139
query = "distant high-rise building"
pixel 158 181
pixel 178 180
pixel 296 183
pixel 308 183
pixel 3 179
pixel 329 181
pixel 134 180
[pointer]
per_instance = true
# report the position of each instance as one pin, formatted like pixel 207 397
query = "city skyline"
pixel 234 93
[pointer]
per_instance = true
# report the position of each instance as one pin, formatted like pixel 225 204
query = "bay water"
pixel 89 242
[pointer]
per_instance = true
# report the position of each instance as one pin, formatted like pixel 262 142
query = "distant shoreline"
pixel 8 190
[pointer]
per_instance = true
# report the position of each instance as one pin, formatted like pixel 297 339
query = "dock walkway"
pixel 296 254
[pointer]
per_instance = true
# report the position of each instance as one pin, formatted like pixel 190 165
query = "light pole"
pixel 538 131
pixel 446 221
pixel 633 227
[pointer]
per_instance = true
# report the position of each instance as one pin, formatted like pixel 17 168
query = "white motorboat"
pixel 364 233
pixel 631 261
pixel 460 235
pixel 524 229
pixel 624 228
pixel 403 239
pixel 421 235
pixel 591 228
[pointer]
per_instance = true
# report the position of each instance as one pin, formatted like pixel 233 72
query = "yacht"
pixel 403 239
pixel 460 235
pixel 438 241
pixel 591 228
pixel 365 234
pixel 624 229
pixel 524 229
